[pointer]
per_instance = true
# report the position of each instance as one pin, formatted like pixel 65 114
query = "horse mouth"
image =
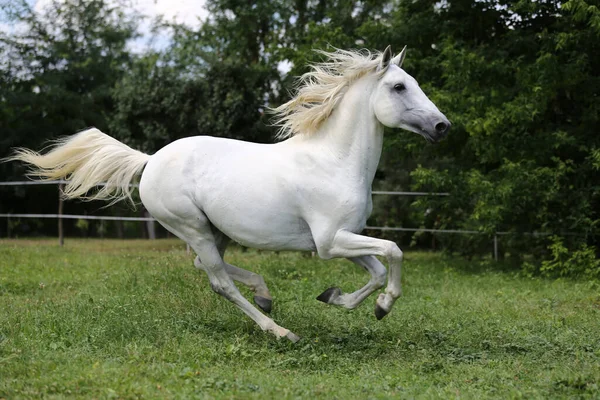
pixel 428 136
pixel 431 137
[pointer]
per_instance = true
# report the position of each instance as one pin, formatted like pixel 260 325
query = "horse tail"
pixel 87 159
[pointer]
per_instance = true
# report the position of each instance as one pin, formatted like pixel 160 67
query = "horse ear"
pixel 385 59
pixel 399 59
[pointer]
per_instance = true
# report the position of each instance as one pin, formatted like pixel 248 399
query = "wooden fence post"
pixel 61 234
pixel 150 228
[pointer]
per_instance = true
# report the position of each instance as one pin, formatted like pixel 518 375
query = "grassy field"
pixel 134 319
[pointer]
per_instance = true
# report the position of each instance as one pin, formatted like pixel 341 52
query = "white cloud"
pixel 285 66
pixel 182 11
pixel 188 12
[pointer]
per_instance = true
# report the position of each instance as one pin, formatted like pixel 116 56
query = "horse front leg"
pixel 351 245
pixel 378 272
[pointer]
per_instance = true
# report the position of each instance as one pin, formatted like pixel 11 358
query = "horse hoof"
pixel 329 294
pixel 264 303
pixel 380 312
pixel 292 337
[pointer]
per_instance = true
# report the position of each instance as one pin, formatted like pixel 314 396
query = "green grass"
pixel 134 319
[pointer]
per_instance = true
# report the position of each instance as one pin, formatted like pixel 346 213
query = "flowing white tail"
pixel 87 159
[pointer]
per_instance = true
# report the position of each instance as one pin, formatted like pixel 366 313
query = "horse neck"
pixel 352 134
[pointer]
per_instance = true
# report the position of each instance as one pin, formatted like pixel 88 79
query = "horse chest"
pixel 355 211
pixel 354 204
pixel 341 206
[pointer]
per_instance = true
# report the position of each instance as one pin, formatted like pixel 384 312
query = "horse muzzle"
pixel 433 126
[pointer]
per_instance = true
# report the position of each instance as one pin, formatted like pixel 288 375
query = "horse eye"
pixel 400 87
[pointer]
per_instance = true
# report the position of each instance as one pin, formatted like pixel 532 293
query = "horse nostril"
pixel 441 127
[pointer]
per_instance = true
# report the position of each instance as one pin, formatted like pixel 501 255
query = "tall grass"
pixel 134 319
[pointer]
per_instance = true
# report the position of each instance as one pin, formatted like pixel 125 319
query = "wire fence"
pixel 69 216
pixel 60 216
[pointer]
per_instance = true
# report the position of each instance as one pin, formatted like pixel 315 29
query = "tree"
pixel 518 80
pixel 58 69
pixel 522 93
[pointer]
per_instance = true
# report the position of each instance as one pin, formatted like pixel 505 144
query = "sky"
pixel 183 11
pixel 189 12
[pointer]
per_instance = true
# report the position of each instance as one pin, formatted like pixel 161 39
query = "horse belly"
pixel 254 208
pixel 262 227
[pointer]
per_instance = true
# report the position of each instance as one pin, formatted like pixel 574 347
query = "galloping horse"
pixel 311 191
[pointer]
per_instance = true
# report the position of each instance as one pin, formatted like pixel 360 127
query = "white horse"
pixel 311 191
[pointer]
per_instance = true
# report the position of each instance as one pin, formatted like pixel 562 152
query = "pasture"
pixel 134 319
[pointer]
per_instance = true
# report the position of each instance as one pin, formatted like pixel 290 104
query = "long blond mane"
pixel 321 89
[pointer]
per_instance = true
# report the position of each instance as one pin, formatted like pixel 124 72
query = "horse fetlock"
pixel 257 280
pixel 334 296
pixel 348 302
pixel 394 291
pixel 281 332
pixel 259 286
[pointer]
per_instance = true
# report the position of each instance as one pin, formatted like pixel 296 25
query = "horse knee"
pixel 324 252
pixel 394 253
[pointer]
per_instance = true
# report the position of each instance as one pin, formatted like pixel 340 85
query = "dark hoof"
pixel 264 303
pixel 329 294
pixel 380 312
pixel 293 337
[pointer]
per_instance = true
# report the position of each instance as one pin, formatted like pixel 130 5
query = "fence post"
pixel 61 234
pixel 496 247
pixel 149 226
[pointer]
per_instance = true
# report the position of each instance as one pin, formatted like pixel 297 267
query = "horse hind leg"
pixel 256 283
pixel 198 234
pixel 335 296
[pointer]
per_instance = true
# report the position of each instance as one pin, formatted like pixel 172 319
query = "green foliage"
pixel 155 105
pixel 523 150
pixel 581 262
pixel 517 79
pixel 58 71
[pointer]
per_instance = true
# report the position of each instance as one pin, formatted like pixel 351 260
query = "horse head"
pixel 399 102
